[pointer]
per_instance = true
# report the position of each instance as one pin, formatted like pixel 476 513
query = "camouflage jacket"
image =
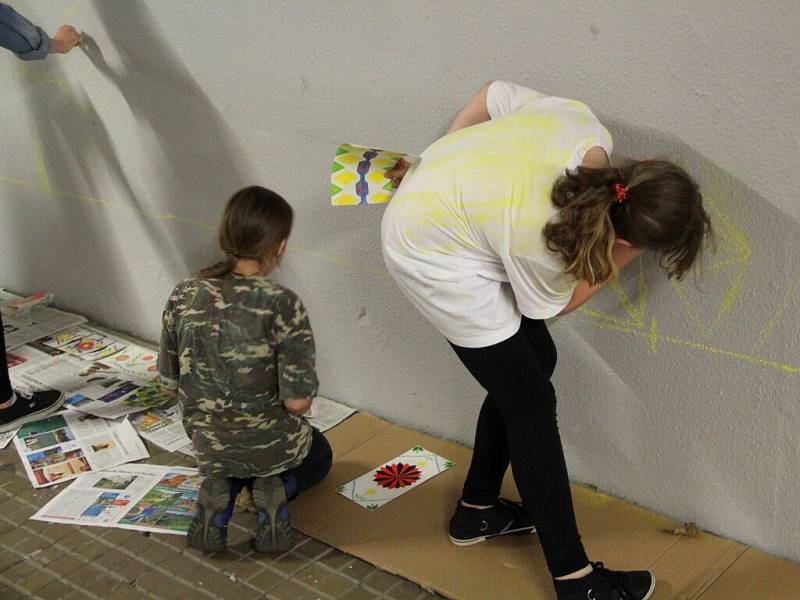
pixel 235 349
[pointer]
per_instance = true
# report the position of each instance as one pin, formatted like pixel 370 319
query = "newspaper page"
pixel 137 362
pixel 68 444
pixel 39 323
pixel 85 343
pixel 163 427
pixel 28 355
pixel 141 497
pixel 326 413
pixel 90 387
pixel 6 437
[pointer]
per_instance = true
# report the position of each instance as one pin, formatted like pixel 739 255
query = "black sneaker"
pixel 208 532
pixel 604 584
pixel 30 406
pixel 274 529
pixel 470 526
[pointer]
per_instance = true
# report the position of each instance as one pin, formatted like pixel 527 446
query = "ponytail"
pixel 653 204
pixel 218 270
pixel 584 233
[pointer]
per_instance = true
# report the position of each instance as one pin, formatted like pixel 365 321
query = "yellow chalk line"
pixel 654 337
pixel 778 316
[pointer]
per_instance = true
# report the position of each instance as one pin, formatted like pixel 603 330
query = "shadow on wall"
pixel 75 159
pixel 713 363
pixel 198 162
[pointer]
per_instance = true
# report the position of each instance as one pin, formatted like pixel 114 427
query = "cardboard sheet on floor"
pixel 408 536
pixel 756 576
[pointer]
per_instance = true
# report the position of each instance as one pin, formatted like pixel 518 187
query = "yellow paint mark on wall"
pixel 654 337
pixel 778 316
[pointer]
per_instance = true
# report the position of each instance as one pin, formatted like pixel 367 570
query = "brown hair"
pixel 255 222
pixel 662 211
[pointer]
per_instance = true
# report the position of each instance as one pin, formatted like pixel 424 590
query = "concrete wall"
pixel 116 163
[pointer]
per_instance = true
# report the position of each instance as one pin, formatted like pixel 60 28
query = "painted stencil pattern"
pixel 357 175
pixel 394 478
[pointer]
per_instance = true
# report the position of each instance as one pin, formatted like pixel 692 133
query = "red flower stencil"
pixel 397 476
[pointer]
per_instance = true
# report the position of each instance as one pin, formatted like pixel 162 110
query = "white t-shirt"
pixel 462 236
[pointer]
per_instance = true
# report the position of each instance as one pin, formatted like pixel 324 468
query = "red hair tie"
pixel 621 191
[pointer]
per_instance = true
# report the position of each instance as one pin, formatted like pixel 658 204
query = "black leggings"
pixel 5 384
pixel 518 423
pixel 311 471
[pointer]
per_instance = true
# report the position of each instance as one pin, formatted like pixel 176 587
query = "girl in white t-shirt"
pixel 513 217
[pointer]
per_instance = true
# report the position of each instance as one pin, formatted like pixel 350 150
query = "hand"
pixel 298 406
pixel 397 172
pixel 65 39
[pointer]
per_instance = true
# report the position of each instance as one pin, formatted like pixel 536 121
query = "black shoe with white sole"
pixel 605 584
pixel 28 407
pixel 470 526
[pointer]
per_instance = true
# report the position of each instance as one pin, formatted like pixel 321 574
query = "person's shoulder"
pixel 275 292
pixel 596 158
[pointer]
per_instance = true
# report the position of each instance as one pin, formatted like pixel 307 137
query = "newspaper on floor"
pixel 99 387
pixel 326 413
pixel 85 343
pixel 140 497
pixel 40 322
pixel 188 450
pixel 68 444
pixel 6 437
pixel 163 427
pixel 29 355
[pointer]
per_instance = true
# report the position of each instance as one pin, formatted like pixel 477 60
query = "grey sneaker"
pixel 274 530
pixel 208 532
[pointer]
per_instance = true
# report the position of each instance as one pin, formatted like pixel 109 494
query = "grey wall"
pixel 117 161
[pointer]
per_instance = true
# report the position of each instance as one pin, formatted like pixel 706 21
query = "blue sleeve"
pixel 22 37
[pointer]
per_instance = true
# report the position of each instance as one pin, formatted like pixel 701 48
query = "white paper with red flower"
pixel 394 478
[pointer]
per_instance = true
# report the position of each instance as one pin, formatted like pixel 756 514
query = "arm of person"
pixel 474 112
pixel 168 363
pixel 297 376
pixel 622 254
pixel 30 42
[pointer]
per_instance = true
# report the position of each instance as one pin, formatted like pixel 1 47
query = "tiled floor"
pixel 45 560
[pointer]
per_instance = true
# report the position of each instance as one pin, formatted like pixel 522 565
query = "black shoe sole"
pixel 275 533
pixel 482 538
pixel 203 535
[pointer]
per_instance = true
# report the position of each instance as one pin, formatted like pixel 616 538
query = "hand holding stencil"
pixel 358 175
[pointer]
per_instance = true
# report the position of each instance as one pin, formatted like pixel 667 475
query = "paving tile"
pixel 335 559
pixel 405 590
pixel 311 549
pixel 381 581
pixel 180 565
pixel 164 586
pixel 328 582
pixel 244 568
pixel 129 592
pixel 266 580
pixel 53 591
pixel 291 590
pixel 360 593
pixel 11 593
pixel 37 579
pixel 290 564
pixel 358 569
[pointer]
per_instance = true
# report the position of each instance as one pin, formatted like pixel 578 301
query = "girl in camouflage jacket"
pixel 238 351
